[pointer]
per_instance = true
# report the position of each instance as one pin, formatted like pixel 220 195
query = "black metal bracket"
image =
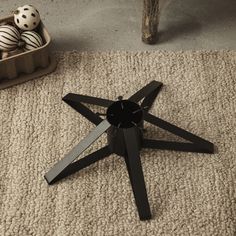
pixel 124 125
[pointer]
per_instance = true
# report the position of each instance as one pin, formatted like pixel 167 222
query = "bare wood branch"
pixel 150 21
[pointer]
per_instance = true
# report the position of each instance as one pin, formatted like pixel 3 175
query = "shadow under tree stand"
pixel 150 21
pixel 124 123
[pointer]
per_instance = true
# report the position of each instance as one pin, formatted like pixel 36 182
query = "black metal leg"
pixel 201 143
pixel 83 110
pixel 83 163
pixel 87 99
pixel 174 146
pixel 149 93
pixel 149 100
pixel 134 167
pixel 76 151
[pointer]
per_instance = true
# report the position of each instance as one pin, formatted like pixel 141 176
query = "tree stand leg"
pixel 150 21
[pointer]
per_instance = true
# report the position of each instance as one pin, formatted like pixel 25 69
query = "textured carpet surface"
pixel 189 194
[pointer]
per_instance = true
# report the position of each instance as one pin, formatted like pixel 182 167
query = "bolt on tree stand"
pixel 124 125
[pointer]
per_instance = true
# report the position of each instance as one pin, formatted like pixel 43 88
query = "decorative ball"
pixel 26 17
pixel 9 38
pixel 32 40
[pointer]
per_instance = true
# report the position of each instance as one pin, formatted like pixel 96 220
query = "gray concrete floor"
pixel 116 24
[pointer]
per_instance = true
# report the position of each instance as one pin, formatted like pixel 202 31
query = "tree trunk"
pixel 150 21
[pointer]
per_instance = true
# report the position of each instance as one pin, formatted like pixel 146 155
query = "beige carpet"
pixel 189 194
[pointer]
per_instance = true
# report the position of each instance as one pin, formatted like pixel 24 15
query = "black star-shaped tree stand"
pixel 124 127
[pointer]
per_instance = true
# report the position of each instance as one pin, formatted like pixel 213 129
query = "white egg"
pixel 27 17
pixel 9 38
pixel 32 40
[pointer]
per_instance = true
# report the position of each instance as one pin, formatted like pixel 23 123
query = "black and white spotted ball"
pixel 26 17
pixel 32 40
pixel 9 38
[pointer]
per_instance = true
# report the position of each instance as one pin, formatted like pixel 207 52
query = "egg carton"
pixel 27 65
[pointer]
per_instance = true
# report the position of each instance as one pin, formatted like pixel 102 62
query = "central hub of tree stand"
pixel 124 114
pixel 124 127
